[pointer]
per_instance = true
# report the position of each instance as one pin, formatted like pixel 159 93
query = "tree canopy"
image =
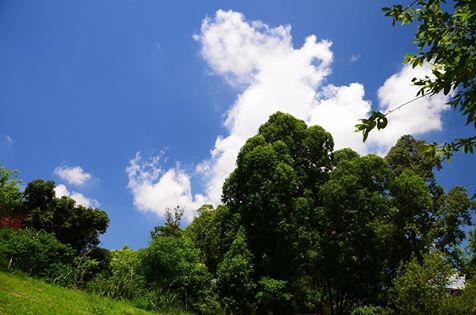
pixel 71 223
pixel 342 223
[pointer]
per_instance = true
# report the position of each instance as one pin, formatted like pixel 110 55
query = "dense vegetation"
pixel 302 229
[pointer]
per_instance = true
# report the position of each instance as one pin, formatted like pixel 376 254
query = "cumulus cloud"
pixel 73 175
pixel 275 76
pixel 338 111
pixel 62 190
pixel 155 189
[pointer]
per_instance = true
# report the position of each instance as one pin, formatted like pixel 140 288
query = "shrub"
pixel 35 253
pixel 172 266
pixel 371 310
pixel 123 279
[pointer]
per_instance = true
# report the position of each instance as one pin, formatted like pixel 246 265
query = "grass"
pixel 22 295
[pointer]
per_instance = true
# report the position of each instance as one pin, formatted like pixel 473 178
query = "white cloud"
pixel 8 140
pixel 275 76
pixel 62 190
pixel 338 111
pixel 155 189
pixel 354 58
pixel 73 175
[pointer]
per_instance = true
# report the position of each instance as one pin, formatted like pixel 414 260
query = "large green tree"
pixel 327 231
pixel 425 215
pixel 352 216
pixel 274 190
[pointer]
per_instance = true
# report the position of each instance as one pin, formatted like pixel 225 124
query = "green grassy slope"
pixel 23 295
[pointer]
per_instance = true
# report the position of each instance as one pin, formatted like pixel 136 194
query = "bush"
pixel 463 302
pixel 420 288
pixel 123 279
pixel 371 310
pixel 172 266
pixel 35 253
pixel 273 295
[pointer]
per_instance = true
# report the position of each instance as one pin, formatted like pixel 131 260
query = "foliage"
pixel 346 154
pixel 273 296
pixel 234 278
pixel 212 232
pixel 123 280
pixel 425 214
pixel 470 267
pixel 302 229
pixel 463 302
pixel 171 265
pixel 342 223
pixel 171 226
pixel 103 257
pixel 354 209
pixel 371 310
pixel 446 38
pixel 10 195
pixel 72 224
pixel 420 288
pixel 35 253
pixel 409 153
pixel 376 119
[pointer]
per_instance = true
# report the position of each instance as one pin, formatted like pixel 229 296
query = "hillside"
pixel 23 295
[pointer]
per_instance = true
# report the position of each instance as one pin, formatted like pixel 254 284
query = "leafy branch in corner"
pixel 445 38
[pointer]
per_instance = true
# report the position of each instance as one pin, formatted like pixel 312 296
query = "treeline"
pixel 302 229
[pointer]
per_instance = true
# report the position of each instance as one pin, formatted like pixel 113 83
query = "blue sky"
pixel 139 105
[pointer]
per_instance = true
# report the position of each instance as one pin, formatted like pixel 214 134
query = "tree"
pixel 71 223
pixel 454 211
pixel 421 287
pixel 464 302
pixel 446 38
pixel 273 191
pixel 10 199
pixel 343 224
pixel 171 226
pixel 427 216
pixel 10 195
pixel 213 232
pixel 171 266
pixel 354 211
pixel 470 268
pixel 273 297
pixel 36 253
pixel 234 278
